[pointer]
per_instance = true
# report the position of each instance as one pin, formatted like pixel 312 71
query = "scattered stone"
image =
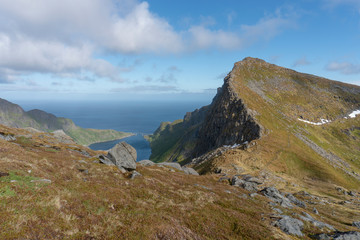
pixel 217 170
pixel 85 171
pixel 190 171
pixel 356 224
pixel 202 186
pixel 13 181
pixel 274 195
pixel 290 225
pixel 135 174
pixel 224 179
pixel 352 235
pixel 41 180
pixel 227 191
pixel 103 159
pixel 4 174
pixel 123 155
pixel 7 137
pixel 171 164
pixel 250 186
pixel 253 195
pixel 252 179
pixel 278 210
pixel 296 201
pixel 308 218
pixel 352 193
pixel 315 211
pixel 146 163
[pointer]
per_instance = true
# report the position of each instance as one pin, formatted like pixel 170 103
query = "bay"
pixel 138 117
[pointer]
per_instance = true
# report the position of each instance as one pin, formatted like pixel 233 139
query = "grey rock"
pixel 274 195
pixel 308 218
pixel 356 224
pixel 41 180
pixel 352 193
pixel 252 179
pixel 226 179
pixel 123 155
pixel 190 171
pixel 249 186
pixel 146 163
pixel 253 195
pixel 290 225
pixel 296 201
pixel 315 211
pixel 171 164
pixel 278 210
pixel 103 159
pixel 352 235
pixel 7 137
pixel 135 174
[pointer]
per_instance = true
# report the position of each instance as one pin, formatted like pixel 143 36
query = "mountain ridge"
pixel 14 116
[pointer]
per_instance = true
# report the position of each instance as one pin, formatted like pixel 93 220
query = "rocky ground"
pixel 53 190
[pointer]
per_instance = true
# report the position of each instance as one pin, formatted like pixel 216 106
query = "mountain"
pixel 14 116
pixel 272 166
pixel 270 118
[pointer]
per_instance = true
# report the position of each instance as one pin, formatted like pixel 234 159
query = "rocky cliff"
pixel 275 119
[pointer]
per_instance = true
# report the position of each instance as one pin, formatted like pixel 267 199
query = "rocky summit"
pixel 274 156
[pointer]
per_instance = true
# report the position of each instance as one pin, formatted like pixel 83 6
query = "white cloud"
pixel 301 62
pixel 343 67
pixel 72 37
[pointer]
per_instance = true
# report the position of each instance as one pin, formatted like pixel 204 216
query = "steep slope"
pixel 14 116
pixel 293 124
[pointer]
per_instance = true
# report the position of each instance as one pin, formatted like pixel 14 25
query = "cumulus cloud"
pixel 73 37
pixel 301 62
pixel 343 67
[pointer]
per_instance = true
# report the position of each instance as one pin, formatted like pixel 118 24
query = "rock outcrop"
pixel 123 155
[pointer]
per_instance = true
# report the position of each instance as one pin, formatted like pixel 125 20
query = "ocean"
pixel 139 117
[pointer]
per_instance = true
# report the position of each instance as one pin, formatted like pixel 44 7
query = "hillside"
pixel 54 190
pixel 13 115
pixel 269 118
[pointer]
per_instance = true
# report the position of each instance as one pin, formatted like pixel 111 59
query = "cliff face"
pixel 227 122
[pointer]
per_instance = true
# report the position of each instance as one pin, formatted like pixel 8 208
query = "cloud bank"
pixel 73 37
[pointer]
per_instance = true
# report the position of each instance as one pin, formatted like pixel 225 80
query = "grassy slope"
pixel 104 204
pixel 281 151
pixel 87 136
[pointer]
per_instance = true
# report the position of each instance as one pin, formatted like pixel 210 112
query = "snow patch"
pixel 322 121
pixel 354 113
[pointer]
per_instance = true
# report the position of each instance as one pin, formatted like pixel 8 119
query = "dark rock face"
pixel 227 122
pixel 123 155
pixel 290 225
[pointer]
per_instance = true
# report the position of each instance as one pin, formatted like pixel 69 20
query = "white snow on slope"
pixel 322 121
pixel 354 113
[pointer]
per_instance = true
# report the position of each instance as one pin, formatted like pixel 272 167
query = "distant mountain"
pixel 294 123
pixel 13 115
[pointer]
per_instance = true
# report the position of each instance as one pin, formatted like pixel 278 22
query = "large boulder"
pixel 123 155
pixel 290 225
pixel 190 171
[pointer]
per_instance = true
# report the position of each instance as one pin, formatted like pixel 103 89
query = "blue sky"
pixel 128 49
